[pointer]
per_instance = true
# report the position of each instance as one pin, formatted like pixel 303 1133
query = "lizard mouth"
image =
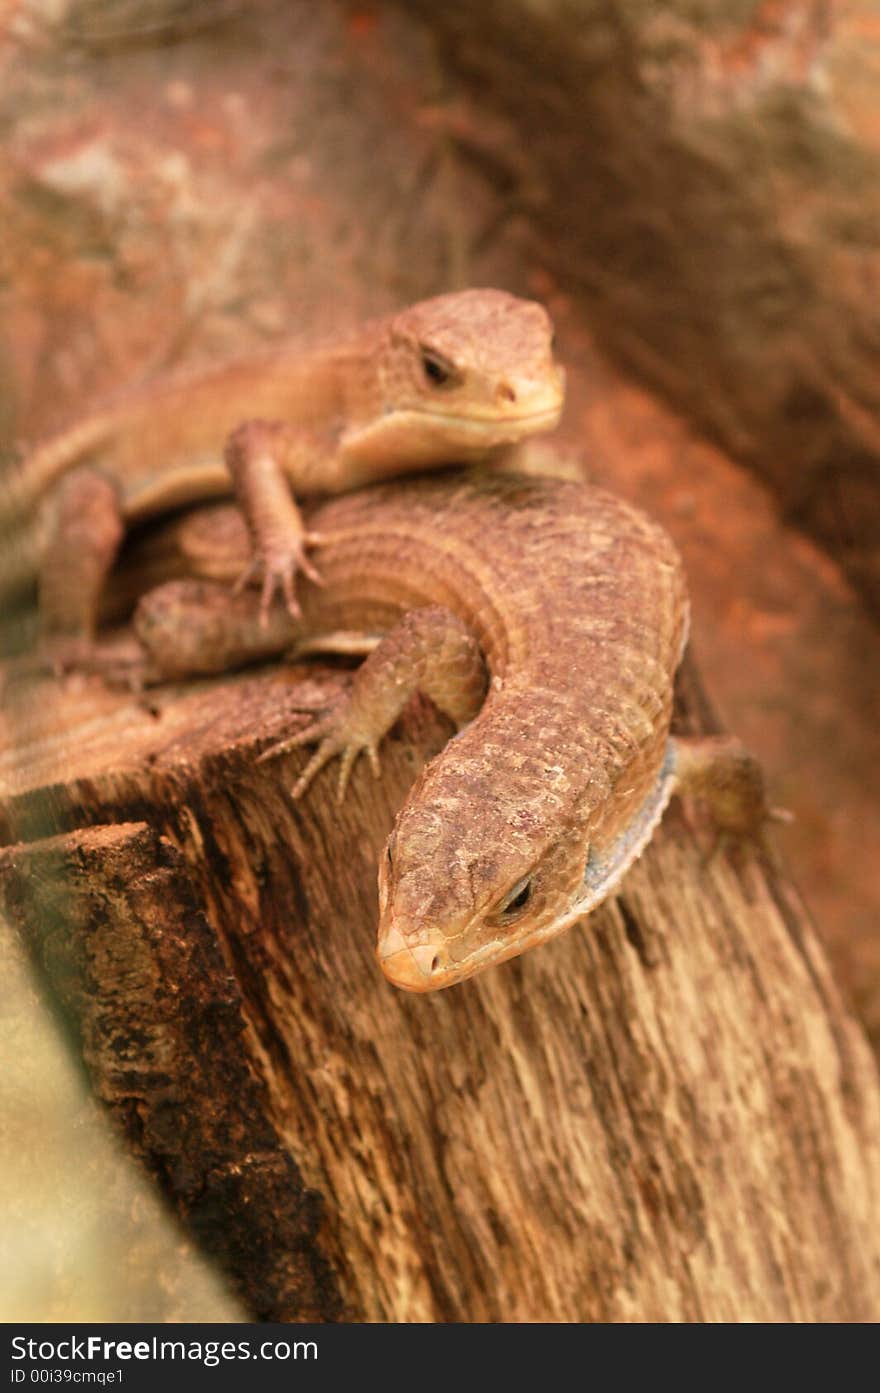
pixel 422 435
pixel 428 969
pixel 476 418
pixel 499 426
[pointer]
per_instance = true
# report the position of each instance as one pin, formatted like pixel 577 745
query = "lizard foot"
pixel 430 650
pixel 63 654
pixel 339 732
pixel 721 772
pixel 279 565
pixel 118 660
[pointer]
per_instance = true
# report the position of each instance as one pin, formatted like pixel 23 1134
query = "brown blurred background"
pixel 693 190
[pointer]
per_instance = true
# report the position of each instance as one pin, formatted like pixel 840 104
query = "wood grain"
pixel 667 1114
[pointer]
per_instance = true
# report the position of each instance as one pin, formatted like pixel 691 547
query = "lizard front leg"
pixel 261 457
pixel 430 651
pixel 85 536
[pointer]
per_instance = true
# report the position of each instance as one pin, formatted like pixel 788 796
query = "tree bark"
pixel 667 1114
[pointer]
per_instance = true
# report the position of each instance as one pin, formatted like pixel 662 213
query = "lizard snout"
pixel 418 969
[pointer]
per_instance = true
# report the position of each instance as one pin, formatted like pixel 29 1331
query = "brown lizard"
pixel 547 619
pixel 456 378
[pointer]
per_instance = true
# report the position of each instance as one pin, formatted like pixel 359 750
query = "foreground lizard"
pixel 455 378
pixel 547 620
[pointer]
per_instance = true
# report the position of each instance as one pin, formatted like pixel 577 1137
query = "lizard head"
pixel 479 868
pixel 459 375
pixel 500 849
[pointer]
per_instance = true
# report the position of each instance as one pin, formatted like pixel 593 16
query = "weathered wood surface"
pixel 667 1114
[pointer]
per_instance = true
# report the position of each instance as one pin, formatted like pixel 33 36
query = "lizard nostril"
pixel 435 962
pixel 505 392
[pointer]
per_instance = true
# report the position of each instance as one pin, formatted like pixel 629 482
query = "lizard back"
pixel 578 602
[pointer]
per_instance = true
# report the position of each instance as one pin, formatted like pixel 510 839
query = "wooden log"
pixel 667 1114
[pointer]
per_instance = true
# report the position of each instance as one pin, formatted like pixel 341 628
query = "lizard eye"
pixel 516 898
pixel 439 371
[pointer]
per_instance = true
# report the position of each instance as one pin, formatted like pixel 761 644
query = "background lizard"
pixel 454 378
pixel 547 619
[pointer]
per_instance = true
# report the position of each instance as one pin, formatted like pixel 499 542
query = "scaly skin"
pixel 532 814
pixel 451 379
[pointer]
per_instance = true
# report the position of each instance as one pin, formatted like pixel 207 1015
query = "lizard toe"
pixel 349 755
pixel 310 571
pixel 247 575
pixel 309 735
pixel 324 753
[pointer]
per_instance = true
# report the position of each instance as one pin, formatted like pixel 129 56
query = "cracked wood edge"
pixel 667 1114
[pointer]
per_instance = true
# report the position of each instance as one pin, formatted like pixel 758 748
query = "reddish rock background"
pixel 693 190
pixel 707 178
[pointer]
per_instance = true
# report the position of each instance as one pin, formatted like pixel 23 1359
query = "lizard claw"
pixel 311 539
pixel 335 734
pixel 281 581
pixel 279 568
pixel 247 575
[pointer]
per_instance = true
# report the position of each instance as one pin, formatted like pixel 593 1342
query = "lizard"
pixel 547 619
pixel 458 377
